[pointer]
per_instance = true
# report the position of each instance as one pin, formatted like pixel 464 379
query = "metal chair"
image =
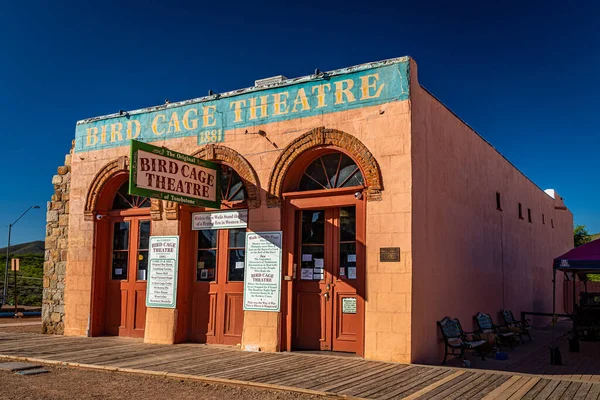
pixel 456 339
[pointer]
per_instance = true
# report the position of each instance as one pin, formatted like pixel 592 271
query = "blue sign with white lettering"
pixel 211 117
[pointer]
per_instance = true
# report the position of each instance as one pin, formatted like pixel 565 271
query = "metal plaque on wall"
pixel 389 254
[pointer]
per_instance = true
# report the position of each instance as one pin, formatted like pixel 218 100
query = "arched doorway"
pixel 218 271
pixel 123 231
pixel 324 221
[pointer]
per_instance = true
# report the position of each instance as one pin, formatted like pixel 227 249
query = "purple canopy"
pixel 585 258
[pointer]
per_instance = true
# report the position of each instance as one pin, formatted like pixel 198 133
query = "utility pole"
pixel 5 290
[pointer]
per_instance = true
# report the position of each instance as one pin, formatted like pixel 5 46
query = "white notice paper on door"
pixel 351 257
pixel 239 265
pixel 318 263
pixel 351 272
pixel 306 273
pixel 306 257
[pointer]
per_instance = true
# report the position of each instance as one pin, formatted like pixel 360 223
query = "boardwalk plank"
pixel 458 387
pixel 546 391
pixel 413 386
pixel 560 389
pixel 465 387
pixel 289 372
pixel 184 357
pixel 389 385
pixel 312 377
pixel 460 378
pixel 286 367
pixel 433 386
pixel 376 370
pixel 478 387
pixel 532 394
pixel 377 385
pixel 508 393
pixel 317 380
pixel 573 388
pixel 283 365
pixel 523 390
pixel 490 388
pixel 583 391
pixel 266 362
pixel 502 388
pixel 593 393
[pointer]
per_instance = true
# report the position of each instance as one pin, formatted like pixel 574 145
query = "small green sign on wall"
pixel 168 175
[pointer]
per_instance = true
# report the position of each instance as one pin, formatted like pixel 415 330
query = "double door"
pixel 217 298
pixel 126 297
pixel 328 301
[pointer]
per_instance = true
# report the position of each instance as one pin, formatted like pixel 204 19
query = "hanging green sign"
pixel 168 175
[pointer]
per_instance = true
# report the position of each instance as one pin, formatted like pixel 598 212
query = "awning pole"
pixel 574 295
pixel 553 314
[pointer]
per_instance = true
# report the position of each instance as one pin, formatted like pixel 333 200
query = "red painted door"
pixel 126 296
pixel 327 306
pixel 217 298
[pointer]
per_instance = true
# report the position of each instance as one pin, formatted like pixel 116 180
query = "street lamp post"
pixel 5 290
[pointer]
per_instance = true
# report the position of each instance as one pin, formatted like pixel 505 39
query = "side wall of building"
pixel 467 255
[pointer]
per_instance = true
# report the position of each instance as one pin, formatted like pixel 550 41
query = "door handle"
pixel 326 295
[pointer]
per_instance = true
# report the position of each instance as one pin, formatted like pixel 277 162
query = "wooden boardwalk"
pixel 335 375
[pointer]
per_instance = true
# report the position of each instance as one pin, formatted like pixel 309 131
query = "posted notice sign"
pixel 162 275
pixel 262 279
pixel 220 220
pixel 168 175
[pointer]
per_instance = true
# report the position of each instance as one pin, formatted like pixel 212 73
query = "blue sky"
pixel 525 76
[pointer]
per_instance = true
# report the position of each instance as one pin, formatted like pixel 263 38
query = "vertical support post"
pixel 5 289
pixel 574 295
pixel 555 357
pixel 16 305
pixel 553 302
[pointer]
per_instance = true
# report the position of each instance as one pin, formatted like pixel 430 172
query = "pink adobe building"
pixel 393 212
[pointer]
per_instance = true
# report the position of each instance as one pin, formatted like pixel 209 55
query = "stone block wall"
pixel 55 259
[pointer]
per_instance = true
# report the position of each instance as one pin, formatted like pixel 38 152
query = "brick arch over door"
pixel 111 170
pixel 236 161
pixel 321 137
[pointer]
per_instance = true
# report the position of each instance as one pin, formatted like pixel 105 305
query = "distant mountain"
pixel 36 247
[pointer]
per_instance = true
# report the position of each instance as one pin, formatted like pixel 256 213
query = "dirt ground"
pixel 6 322
pixel 77 383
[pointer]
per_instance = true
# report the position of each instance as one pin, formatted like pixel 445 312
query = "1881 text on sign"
pixel 262 278
pixel 168 175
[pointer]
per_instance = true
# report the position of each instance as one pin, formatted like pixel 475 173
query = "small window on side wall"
pixel 520 211
pixel 498 202
pixel 552 222
pixel 529 215
pixel 543 219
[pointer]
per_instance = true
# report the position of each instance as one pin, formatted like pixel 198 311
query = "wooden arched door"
pixel 325 229
pixel 218 272
pixel 128 230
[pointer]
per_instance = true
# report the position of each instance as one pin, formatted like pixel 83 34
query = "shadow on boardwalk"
pixel 534 357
